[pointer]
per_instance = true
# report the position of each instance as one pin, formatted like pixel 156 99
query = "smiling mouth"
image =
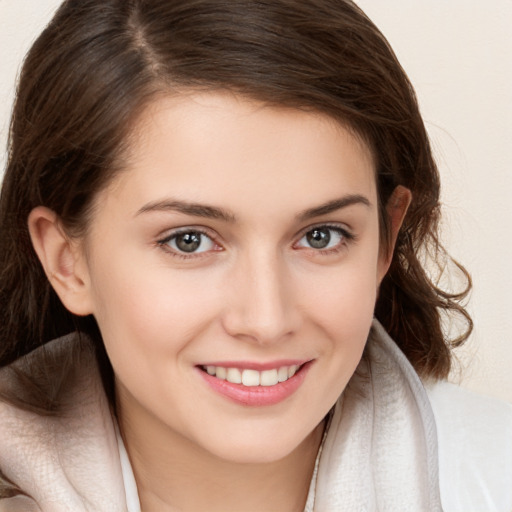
pixel 253 378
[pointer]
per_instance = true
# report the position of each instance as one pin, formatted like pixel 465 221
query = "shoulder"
pixel 57 436
pixel 475 449
pixel 31 390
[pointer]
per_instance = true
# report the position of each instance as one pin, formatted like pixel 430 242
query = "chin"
pixel 262 448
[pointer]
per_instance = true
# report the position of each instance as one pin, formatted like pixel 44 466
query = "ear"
pixel 396 209
pixel 62 260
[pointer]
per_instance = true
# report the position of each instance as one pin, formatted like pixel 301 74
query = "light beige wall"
pixel 458 55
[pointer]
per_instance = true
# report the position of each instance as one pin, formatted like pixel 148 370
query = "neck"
pixel 172 473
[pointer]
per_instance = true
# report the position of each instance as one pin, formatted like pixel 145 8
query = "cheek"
pixel 142 305
pixel 343 293
pixel 340 303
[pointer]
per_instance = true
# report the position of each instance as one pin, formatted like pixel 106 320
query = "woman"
pixel 205 206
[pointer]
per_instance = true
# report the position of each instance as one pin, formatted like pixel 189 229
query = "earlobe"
pixel 62 260
pixel 396 209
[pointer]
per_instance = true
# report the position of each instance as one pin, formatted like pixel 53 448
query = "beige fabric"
pixel 64 463
pixel 381 450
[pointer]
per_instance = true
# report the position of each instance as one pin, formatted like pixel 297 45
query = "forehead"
pixel 219 148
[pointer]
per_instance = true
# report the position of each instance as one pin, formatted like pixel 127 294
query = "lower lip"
pixel 257 395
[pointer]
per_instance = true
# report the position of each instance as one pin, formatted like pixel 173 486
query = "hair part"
pixel 99 63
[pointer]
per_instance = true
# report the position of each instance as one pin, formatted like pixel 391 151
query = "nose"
pixel 262 306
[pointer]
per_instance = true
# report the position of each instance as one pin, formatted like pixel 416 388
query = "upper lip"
pixel 253 365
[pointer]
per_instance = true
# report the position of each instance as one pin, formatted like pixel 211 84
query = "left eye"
pixel 323 237
pixel 190 242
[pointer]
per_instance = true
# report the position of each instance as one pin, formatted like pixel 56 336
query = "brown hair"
pixel 99 62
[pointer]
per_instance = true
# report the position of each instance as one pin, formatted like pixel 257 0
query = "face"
pixel 233 271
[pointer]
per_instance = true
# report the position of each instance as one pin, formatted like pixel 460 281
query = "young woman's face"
pixel 241 245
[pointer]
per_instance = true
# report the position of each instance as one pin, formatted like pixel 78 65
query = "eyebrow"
pixel 334 205
pixel 214 212
pixel 194 209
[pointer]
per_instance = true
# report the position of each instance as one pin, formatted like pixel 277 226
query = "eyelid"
pixel 336 226
pixel 171 233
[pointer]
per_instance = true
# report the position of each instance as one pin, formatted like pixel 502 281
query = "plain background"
pixel 458 54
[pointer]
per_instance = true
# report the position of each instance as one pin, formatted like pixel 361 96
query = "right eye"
pixel 189 242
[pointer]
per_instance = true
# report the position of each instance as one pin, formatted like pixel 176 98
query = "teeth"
pixel 282 374
pixel 269 378
pixel 250 378
pixel 253 378
pixel 234 375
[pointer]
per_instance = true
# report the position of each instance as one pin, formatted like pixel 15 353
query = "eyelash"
pixel 347 238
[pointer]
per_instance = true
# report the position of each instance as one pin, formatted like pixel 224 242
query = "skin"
pixel 256 290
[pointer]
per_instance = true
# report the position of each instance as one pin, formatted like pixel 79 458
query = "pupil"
pixel 188 242
pixel 319 238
